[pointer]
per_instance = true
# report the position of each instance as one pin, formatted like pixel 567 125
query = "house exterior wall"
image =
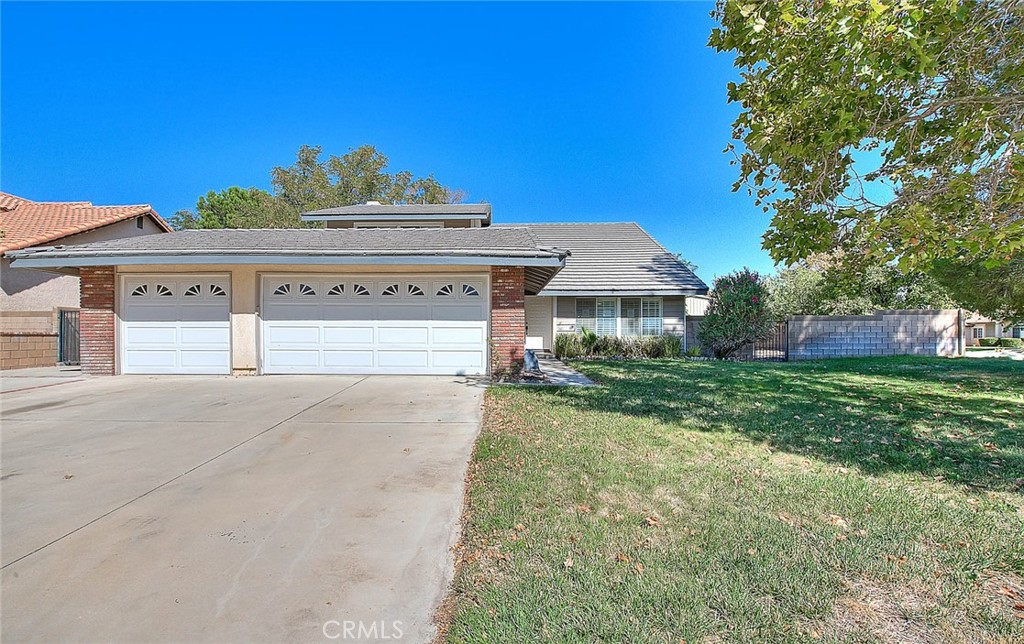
pixel 508 319
pixel 673 313
pixel 886 333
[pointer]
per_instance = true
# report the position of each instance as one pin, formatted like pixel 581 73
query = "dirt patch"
pixel 877 611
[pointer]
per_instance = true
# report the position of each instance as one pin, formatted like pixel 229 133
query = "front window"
pixel 607 316
pixel 979 332
pixel 627 316
pixel 1018 331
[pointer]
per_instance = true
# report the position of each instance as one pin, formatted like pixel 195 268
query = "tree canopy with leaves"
pixel 891 129
pixel 313 183
pixel 824 285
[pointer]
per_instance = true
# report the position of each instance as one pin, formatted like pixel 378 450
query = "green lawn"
pixel 851 500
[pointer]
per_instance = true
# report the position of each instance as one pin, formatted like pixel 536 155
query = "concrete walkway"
pixel 220 509
pixel 560 374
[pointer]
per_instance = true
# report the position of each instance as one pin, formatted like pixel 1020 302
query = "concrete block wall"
pixel 24 350
pixel 926 332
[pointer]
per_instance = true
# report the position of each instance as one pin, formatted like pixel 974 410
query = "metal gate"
pixel 68 337
pixel 774 346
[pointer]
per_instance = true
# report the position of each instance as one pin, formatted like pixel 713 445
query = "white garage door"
pixel 376 324
pixel 176 324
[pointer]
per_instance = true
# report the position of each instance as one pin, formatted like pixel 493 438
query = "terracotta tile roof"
pixel 27 223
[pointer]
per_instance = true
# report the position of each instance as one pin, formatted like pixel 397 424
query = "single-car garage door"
pixel 375 324
pixel 176 324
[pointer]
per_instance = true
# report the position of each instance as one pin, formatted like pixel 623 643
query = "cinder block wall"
pixel 23 350
pixel 923 332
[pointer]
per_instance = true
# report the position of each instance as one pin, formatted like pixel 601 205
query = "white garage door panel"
pixel 138 358
pixel 457 358
pixel 348 335
pixel 137 336
pixel 374 324
pixel 349 359
pixel 458 335
pixel 176 324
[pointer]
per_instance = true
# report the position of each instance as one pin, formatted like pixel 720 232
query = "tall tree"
pixel 894 129
pixel 837 285
pixel 312 183
pixel 356 177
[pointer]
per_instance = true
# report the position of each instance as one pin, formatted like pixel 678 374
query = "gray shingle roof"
pixel 375 211
pixel 477 242
pixel 614 258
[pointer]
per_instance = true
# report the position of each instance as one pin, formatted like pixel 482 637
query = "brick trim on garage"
pixel 97 320
pixel 508 320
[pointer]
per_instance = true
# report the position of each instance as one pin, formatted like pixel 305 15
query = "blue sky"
pixel 550 112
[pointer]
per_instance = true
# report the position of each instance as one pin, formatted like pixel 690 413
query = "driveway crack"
pixel 183 474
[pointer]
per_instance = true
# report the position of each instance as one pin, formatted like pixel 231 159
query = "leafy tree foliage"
pixel 357 177
pixel 828 285
pixel 309 184
pixel 893 128
pixel 737 314
pixel 996 292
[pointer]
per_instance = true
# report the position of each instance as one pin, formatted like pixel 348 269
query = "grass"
pixel 850 500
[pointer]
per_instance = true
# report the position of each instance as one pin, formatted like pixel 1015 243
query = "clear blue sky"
pixel 550 112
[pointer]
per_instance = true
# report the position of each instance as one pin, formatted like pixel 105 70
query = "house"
pixel 32 301
pixel 381 289
pixel 978 327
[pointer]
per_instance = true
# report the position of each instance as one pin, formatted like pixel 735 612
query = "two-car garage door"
pixel 310 324
pixel 374 324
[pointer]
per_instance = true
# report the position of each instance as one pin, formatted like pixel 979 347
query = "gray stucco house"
pixel 383 289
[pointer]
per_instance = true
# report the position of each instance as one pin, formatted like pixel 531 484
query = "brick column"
pixel 97 320
pixel 508 320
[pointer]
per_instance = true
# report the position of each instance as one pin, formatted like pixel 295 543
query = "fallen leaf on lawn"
pixel 1007 591
pixel 836 439
pixel 520 527
pixel 652 522
pixel 788 519
pixel 622 557
pixel 639 567
pixel 1018 607
pixel 585 509
pixel 751 552
pixel 568 562
pixel 839 521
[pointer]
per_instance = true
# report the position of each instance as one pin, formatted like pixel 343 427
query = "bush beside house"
pixel 570 346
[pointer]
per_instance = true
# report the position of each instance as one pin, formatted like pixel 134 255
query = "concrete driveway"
pixel 178 508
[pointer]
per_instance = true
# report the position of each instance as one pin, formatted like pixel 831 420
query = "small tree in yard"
pixel 737 315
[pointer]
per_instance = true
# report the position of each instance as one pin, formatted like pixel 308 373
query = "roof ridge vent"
pixel 373 203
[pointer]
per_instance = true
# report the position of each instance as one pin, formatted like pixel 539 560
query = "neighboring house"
pixel 383 289
pixel 31 300
pixel 978 327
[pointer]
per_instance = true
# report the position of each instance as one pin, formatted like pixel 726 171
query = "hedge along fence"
pixel 570 346
pixel 1008 343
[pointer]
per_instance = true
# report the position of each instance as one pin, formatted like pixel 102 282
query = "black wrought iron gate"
pixel 68 337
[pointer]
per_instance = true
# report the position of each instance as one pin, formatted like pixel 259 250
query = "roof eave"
pixel 606 292
pixel 37 260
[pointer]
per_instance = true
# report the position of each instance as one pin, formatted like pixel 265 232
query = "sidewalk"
pixel 12 380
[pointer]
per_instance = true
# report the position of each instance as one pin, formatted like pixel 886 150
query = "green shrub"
pixel 988 342
pixel 1012 343
pixel 692 352
pixel 569 346
pixel 737 314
